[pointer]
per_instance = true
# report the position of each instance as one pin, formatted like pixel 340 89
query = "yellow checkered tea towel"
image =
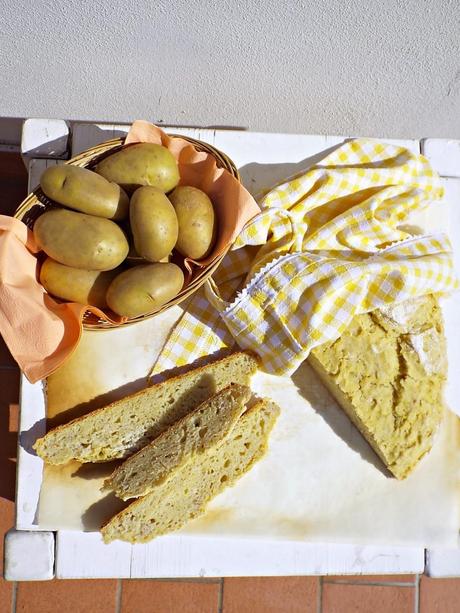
pixel 328 244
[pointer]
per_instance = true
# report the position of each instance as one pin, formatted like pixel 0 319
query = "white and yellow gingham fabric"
pixel 328 244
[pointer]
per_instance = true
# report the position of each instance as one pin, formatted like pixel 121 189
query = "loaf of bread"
pixel 124 426
pixel 177 500
pixel 185 440
pixel 387 371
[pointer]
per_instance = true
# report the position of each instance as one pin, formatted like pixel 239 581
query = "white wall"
pixel 386 68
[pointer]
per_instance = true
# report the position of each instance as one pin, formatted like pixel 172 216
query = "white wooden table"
pixel 38 555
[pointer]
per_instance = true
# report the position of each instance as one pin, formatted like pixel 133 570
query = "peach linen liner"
pixel 41 332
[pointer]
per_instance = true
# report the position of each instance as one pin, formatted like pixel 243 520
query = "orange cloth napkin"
pixel 42 333
pixel 39 332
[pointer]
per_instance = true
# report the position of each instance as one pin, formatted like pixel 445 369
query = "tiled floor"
pixel 391 594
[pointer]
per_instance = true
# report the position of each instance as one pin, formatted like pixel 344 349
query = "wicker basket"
pixel 37 203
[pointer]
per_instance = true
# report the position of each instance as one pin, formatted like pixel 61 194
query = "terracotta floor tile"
pixel 14 420
pixel 270 595
pixel 9 385
pixel 9 381
pixel 339 598
pixel 9 397
pixel 147 596
pixel 13 189
pixel 63 596
pixel 6 359
pixel 372 578
pixel 439 595
pixel 13 182
pixel 6 522
pixel 6 591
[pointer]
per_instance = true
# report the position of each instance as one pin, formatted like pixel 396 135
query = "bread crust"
pixel 89 447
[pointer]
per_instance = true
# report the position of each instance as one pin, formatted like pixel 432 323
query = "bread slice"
pixel 173 503
pixel 186 439
pixel 126 425
pixel 387 371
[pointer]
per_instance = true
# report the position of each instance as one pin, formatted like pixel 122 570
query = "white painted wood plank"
pixel 203 134
pixel 32 424
pixel 444 155
pixel 265 159
pixel 86 135
pixel 29 556
pixel 413 144
pixel 261 157
pixel 449 221
pixel 36 168
pixel 84 555
pixel 246 147
pixel 443 562
pixel 177 556
pixel 48 138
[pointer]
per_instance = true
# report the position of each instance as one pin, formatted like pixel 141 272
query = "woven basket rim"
pixel 36 203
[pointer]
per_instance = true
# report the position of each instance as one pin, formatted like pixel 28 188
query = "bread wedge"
pixel 172 504
pixel 126 425
pixel 185 440
pixel 387 371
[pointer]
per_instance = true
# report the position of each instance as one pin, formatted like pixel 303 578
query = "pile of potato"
pixel 113 249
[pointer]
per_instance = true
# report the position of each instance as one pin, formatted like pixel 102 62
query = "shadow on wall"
pixel 10 131
pixel 9 400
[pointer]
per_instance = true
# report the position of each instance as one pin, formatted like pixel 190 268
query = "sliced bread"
pixel 170 505
pixel 126 425
pixel 387 371
pixel 186 439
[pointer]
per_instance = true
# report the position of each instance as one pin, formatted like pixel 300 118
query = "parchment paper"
pixel 319 482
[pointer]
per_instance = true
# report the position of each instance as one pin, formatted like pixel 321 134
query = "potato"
pixel 141 164
pixel 153 223
pixel 75 284
pixel 197 222
pixel 84 190
pixel 80 240
pixel 134 259
pixel 144 289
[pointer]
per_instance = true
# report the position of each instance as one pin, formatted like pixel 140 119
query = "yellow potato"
pixel 144 289
pixel 134 259
pixel 197 222
pixel 141 164
pixel 85 191
pixel 81 241
pixel 76 284
pixel 153 223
